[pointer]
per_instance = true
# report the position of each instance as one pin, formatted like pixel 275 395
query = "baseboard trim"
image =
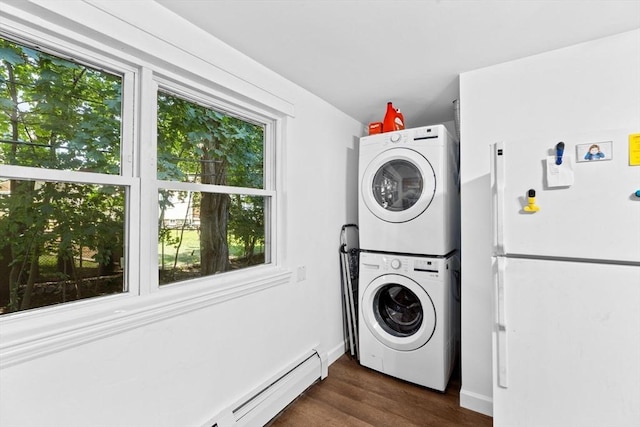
pixel 337 351
pixel 476 402
pixel 269 398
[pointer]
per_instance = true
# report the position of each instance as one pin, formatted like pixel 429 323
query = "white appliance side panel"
pixel 572 345
pixel 598 217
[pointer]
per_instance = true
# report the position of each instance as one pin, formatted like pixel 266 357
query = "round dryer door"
pixel 398 312
pixel 398 185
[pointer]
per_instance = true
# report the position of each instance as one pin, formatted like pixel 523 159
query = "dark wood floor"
pixel 353 395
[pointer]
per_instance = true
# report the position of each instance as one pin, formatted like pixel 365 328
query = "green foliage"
pixel 63 115
pixel 201 145
pixel 57 114
pixel 190 134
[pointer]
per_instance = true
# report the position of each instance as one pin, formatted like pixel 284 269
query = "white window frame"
pixel 208 98
pixel 29 334
pixel 125 179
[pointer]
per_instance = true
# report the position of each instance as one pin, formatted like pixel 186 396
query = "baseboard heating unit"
pixel 265 402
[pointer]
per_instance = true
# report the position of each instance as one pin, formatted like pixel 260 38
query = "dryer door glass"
pixel 397 185
pixel 398 310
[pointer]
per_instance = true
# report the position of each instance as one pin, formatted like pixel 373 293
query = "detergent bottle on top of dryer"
pixel 393 119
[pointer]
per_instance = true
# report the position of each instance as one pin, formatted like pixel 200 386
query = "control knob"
pixel 395 263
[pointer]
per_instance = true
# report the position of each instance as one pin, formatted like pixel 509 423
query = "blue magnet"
pixel 559 152
pixel 638 193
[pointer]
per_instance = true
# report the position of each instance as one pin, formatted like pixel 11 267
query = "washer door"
pixel 398 185
pixel 398 312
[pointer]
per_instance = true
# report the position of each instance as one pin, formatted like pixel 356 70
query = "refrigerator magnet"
pixel 531 202
pixel 594 152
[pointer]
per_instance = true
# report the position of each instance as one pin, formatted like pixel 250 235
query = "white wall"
pixel 587 87
pixel 183 370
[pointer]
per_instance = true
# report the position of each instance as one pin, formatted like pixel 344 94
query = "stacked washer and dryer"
pixel 409 216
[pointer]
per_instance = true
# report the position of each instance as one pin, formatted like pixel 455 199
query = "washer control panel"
pixel 395 263
pixel 430 266
pixel 400 264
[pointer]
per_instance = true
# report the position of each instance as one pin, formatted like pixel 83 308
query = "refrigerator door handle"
pixel 498 184
pixel 501 343
pixel 501 324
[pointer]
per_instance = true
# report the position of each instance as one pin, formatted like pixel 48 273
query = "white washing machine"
pixel 409 192
pixel 406 317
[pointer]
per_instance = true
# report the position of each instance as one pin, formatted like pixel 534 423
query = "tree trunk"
pixel 20 244
pixel 21 191
pixel 5 271
pixel 14 187
pixel 214 250
pixel 33 272
pixel 214 208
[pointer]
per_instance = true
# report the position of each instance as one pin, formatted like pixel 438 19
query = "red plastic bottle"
pixel 393 119
pixel 388 124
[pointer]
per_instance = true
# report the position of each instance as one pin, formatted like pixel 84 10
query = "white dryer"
pixel 409 192
pixel 406 309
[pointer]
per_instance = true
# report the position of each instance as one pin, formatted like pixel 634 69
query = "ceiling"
pixel 358 54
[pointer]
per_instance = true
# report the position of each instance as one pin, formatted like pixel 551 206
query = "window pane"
pixel 201 145
pixel 207 233
pixel 60 242
pixel 57 114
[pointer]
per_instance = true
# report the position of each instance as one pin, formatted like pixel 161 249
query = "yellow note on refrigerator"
pixel 634 149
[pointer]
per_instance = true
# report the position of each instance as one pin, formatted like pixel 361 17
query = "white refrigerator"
pixel 566 263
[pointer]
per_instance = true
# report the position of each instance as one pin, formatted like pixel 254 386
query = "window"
pixel 216 221
pixel 63 210
pixel 70 184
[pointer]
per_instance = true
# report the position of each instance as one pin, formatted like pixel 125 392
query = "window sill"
pixel 31 334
